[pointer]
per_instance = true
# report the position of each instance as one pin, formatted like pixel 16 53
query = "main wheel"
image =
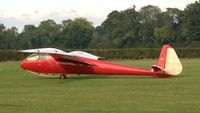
pixel 63 76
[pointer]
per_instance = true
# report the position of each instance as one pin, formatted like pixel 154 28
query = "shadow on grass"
pixel 86 77
pixel 74 78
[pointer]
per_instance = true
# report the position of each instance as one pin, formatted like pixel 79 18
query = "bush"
pixel 143 53
pixel 9 55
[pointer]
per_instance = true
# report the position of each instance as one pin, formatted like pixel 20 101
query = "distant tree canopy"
pixel 148 27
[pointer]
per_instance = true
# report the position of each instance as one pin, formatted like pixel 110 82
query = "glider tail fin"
pixel 168 63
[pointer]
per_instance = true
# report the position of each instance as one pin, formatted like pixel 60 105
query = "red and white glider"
pixel 55 61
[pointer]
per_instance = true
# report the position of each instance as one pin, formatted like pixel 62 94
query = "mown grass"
pixel 23 92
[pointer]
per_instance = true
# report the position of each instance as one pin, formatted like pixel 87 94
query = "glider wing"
pixel 60 55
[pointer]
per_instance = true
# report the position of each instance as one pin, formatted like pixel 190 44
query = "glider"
pixel 55 61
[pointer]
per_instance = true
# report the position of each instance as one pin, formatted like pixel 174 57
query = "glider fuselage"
pixel 51 66
pixel 55 61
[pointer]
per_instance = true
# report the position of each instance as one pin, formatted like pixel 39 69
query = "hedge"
pixel 148 53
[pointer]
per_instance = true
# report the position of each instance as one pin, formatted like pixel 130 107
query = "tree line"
pixel 149 27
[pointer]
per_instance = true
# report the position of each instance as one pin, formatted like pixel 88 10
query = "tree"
pixel 191 22
pixel 11 38
pixel 2 30
pixel 47 34
pixel 164 34
pixel 122 28
pixel 148 27
pixel 77 33
pixel 26 37
pixel 168 32
pixel 150 17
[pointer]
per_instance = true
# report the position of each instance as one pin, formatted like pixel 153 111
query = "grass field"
pixel 23 92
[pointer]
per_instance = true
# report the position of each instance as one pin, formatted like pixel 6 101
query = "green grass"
pixel 23 92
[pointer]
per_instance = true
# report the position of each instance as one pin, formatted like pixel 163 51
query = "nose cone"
pixel 24 64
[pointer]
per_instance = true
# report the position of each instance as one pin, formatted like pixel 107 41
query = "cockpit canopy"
pixel 40 56
pixel 83 54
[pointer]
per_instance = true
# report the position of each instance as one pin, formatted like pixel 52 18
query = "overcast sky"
pixel 21 12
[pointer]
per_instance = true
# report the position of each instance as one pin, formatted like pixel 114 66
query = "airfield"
pixel 23 92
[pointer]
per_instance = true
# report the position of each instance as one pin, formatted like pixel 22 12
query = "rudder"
pixel 168 62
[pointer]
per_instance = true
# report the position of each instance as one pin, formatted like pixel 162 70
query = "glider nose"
pixel 24 65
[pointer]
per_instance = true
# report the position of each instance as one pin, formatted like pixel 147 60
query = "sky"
pixel 22 12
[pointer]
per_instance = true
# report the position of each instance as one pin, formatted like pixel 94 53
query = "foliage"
pixel 148 27
pixel 142 53
pixel 77 33
pixel 11 55
pixel 191 26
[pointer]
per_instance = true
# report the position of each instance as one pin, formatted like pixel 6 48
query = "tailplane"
pixel 168 63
